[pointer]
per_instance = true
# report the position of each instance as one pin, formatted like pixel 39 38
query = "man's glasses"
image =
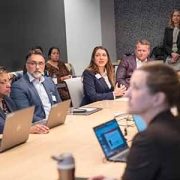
pixel 33 63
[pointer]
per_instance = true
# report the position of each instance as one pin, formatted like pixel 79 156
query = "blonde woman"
pixel 172 40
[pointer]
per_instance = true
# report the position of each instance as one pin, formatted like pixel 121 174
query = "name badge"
pixel 54 98
pixel 98 76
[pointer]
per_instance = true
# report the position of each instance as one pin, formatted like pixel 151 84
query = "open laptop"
pixel 112 141
pixel 57 115
pixel 16 128
pixel 139 122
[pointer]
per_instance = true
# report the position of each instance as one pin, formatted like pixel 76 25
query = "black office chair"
pixel 158 53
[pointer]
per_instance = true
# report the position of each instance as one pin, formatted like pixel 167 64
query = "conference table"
pixel 32 160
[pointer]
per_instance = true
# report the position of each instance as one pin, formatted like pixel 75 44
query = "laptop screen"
pixel 110 138
pixel 140 123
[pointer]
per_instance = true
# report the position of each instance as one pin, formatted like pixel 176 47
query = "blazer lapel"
pixel 9 106
pixel 178 38
pixel 134 64
pixel 103 83
pixel 2 114
pixel 32 88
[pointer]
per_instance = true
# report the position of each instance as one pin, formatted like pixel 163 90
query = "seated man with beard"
pixel 34 89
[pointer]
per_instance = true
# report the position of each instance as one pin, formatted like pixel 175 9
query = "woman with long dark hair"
pixel 99 78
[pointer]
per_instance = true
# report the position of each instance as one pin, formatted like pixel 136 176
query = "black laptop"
pixel 112 141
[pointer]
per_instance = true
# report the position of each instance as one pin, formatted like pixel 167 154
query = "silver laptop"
pixel 57 115
pixel 16 128
pixel 112 141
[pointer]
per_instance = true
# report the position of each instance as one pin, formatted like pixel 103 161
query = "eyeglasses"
pixel 33 63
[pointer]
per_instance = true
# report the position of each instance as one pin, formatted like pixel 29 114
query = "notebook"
pixel 85 110
pixel 139 122
pixel 112 141
pixel 57 115
pixel 16 128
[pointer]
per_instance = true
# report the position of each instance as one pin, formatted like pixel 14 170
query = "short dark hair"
pixel 3 70
pixel 162 78
pixel 38 48
pixel 31 52
pixel 51 49
pixel 143 42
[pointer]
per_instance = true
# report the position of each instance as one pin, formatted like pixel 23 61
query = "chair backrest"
pixel 16 75
pixel 158 53
pixel 75 87
pixel 70 68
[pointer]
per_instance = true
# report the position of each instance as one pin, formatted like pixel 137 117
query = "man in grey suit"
pixel 34 89
pixel 130 63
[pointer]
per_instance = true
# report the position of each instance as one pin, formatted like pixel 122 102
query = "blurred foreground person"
pixel 154 154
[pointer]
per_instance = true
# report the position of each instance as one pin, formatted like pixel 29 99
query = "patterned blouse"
pixel 59 71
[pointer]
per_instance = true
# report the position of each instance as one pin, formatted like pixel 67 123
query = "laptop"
pixel 57 114
pixel 16 128
pixel 112 141
pixel 139 122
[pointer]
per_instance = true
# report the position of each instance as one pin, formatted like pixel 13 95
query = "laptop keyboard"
pixel 122 156
pixel 43 121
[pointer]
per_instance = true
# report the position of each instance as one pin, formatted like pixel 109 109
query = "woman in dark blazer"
pixel 98 78
pixel 172 40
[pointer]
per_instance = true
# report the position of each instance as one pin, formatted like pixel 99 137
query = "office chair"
pixel 75 87
pixel 70 68
pixel 158 53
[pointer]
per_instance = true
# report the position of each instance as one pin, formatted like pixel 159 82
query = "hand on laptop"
pixel 39 129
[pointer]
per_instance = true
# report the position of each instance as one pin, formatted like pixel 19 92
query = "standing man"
pixel 34 89
pixel 130 63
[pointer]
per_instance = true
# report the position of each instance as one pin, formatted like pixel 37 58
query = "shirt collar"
pixel 137 60
pixel 105 73
pixel 32 79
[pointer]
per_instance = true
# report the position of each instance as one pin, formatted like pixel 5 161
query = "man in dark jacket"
pixel 130 63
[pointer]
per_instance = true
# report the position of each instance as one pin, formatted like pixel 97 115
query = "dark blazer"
pixel 11 107
pixel 125 69
pixel 95 88
pixel 25 94
pixel 168 41
pixel 155 152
